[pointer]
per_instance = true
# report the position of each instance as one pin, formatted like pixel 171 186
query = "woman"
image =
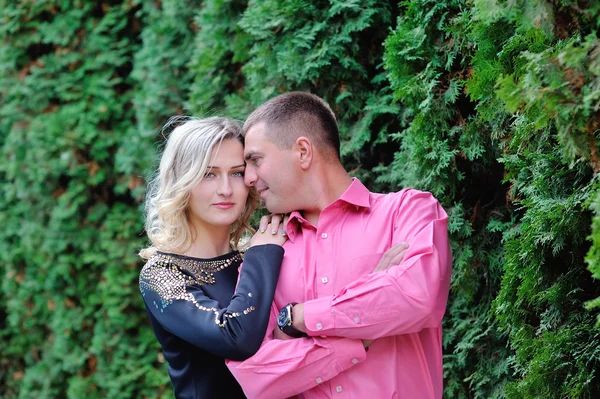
pixel 197 210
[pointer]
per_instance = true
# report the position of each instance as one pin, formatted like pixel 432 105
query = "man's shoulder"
pixel 398 197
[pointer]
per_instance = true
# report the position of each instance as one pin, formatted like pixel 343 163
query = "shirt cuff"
pixel 318 317
pixel 348 352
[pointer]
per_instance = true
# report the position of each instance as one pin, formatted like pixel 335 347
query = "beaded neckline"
pixel 202 268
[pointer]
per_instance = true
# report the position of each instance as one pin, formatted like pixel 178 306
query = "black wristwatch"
pixel 284 322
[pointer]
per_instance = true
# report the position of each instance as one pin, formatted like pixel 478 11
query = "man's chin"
pixel 275 207
pixel 270 206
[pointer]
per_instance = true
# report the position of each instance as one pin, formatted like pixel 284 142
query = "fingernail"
pixel 283 233
pixel 273 231
pixel 262 230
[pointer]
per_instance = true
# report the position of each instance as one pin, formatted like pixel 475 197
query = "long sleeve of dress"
pixel 174 297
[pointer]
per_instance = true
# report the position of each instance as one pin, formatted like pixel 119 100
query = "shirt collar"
pixel 356 194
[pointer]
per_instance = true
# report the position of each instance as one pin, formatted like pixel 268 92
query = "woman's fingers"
pixel 261 239
pixel 264 223
pixel 284 224
pixel 275 222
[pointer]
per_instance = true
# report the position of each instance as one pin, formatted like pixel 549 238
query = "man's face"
pixel 271 170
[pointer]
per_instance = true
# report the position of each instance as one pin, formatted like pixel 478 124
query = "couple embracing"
pixel 343 297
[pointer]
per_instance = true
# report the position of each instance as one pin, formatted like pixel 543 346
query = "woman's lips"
pixel 224 205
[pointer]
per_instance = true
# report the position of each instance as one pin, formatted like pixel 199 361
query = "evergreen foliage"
pixel 72 156
pixel 492 105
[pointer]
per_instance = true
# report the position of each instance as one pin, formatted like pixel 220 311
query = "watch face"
pixel 283 318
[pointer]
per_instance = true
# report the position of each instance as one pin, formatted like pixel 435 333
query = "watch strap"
pixel 288 328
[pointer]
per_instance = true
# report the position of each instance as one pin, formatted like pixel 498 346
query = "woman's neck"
pixel 209 243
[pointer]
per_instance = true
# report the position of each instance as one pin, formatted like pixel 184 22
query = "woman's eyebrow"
pixel 233 167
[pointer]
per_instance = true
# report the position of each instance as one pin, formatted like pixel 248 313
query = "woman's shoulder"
pixel 162 274
pixel 162 277
pixel 163 267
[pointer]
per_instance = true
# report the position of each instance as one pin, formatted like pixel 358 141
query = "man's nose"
pixel 225 187
pixel 250 176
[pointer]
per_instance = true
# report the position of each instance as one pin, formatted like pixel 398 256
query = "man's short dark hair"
pixel 295 114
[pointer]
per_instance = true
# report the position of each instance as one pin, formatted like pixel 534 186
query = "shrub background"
pixel 491 105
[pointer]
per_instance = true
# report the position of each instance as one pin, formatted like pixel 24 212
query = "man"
pixel 328 299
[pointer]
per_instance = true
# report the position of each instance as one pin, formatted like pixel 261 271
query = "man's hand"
pixel 392 256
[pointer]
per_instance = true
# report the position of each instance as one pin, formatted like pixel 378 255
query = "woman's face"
pixel 219 199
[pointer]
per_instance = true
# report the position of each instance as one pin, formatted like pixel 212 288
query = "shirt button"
pixel 319 380
pixel 324 280
pixel 338 388
pixel 354 360
pixel 357 319
pixel 319 326
pixel 324 235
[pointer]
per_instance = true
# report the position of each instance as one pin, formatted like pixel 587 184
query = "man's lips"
pixel 224 205
pixel 261 190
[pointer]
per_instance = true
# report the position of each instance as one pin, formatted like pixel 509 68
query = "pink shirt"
pixel 329 268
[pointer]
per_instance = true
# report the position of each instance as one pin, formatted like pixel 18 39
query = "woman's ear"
pixel 305 151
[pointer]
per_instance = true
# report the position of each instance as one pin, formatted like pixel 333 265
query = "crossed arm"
pixel 401 299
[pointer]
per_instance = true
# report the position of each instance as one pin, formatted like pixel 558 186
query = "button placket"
pixel 324 258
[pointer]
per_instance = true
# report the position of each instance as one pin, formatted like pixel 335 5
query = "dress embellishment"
pixel 164 274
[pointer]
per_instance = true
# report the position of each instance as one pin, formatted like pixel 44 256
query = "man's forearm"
pixel 284 368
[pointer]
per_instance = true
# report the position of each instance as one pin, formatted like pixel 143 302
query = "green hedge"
pixel 491 105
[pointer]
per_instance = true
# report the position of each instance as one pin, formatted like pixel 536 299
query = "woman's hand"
pixel 271 231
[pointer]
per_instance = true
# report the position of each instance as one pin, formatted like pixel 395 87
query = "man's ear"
pixel 305 151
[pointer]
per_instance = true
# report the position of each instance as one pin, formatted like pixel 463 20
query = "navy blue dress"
pixel 199 321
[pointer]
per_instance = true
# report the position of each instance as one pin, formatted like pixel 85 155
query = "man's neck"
pixel 327 188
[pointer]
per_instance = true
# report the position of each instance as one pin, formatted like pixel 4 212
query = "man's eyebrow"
pixel 249 155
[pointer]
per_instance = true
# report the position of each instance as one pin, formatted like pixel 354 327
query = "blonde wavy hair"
pixel 182 166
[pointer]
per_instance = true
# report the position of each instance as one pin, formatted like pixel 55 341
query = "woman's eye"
pixel 209 174
pixel 238 174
